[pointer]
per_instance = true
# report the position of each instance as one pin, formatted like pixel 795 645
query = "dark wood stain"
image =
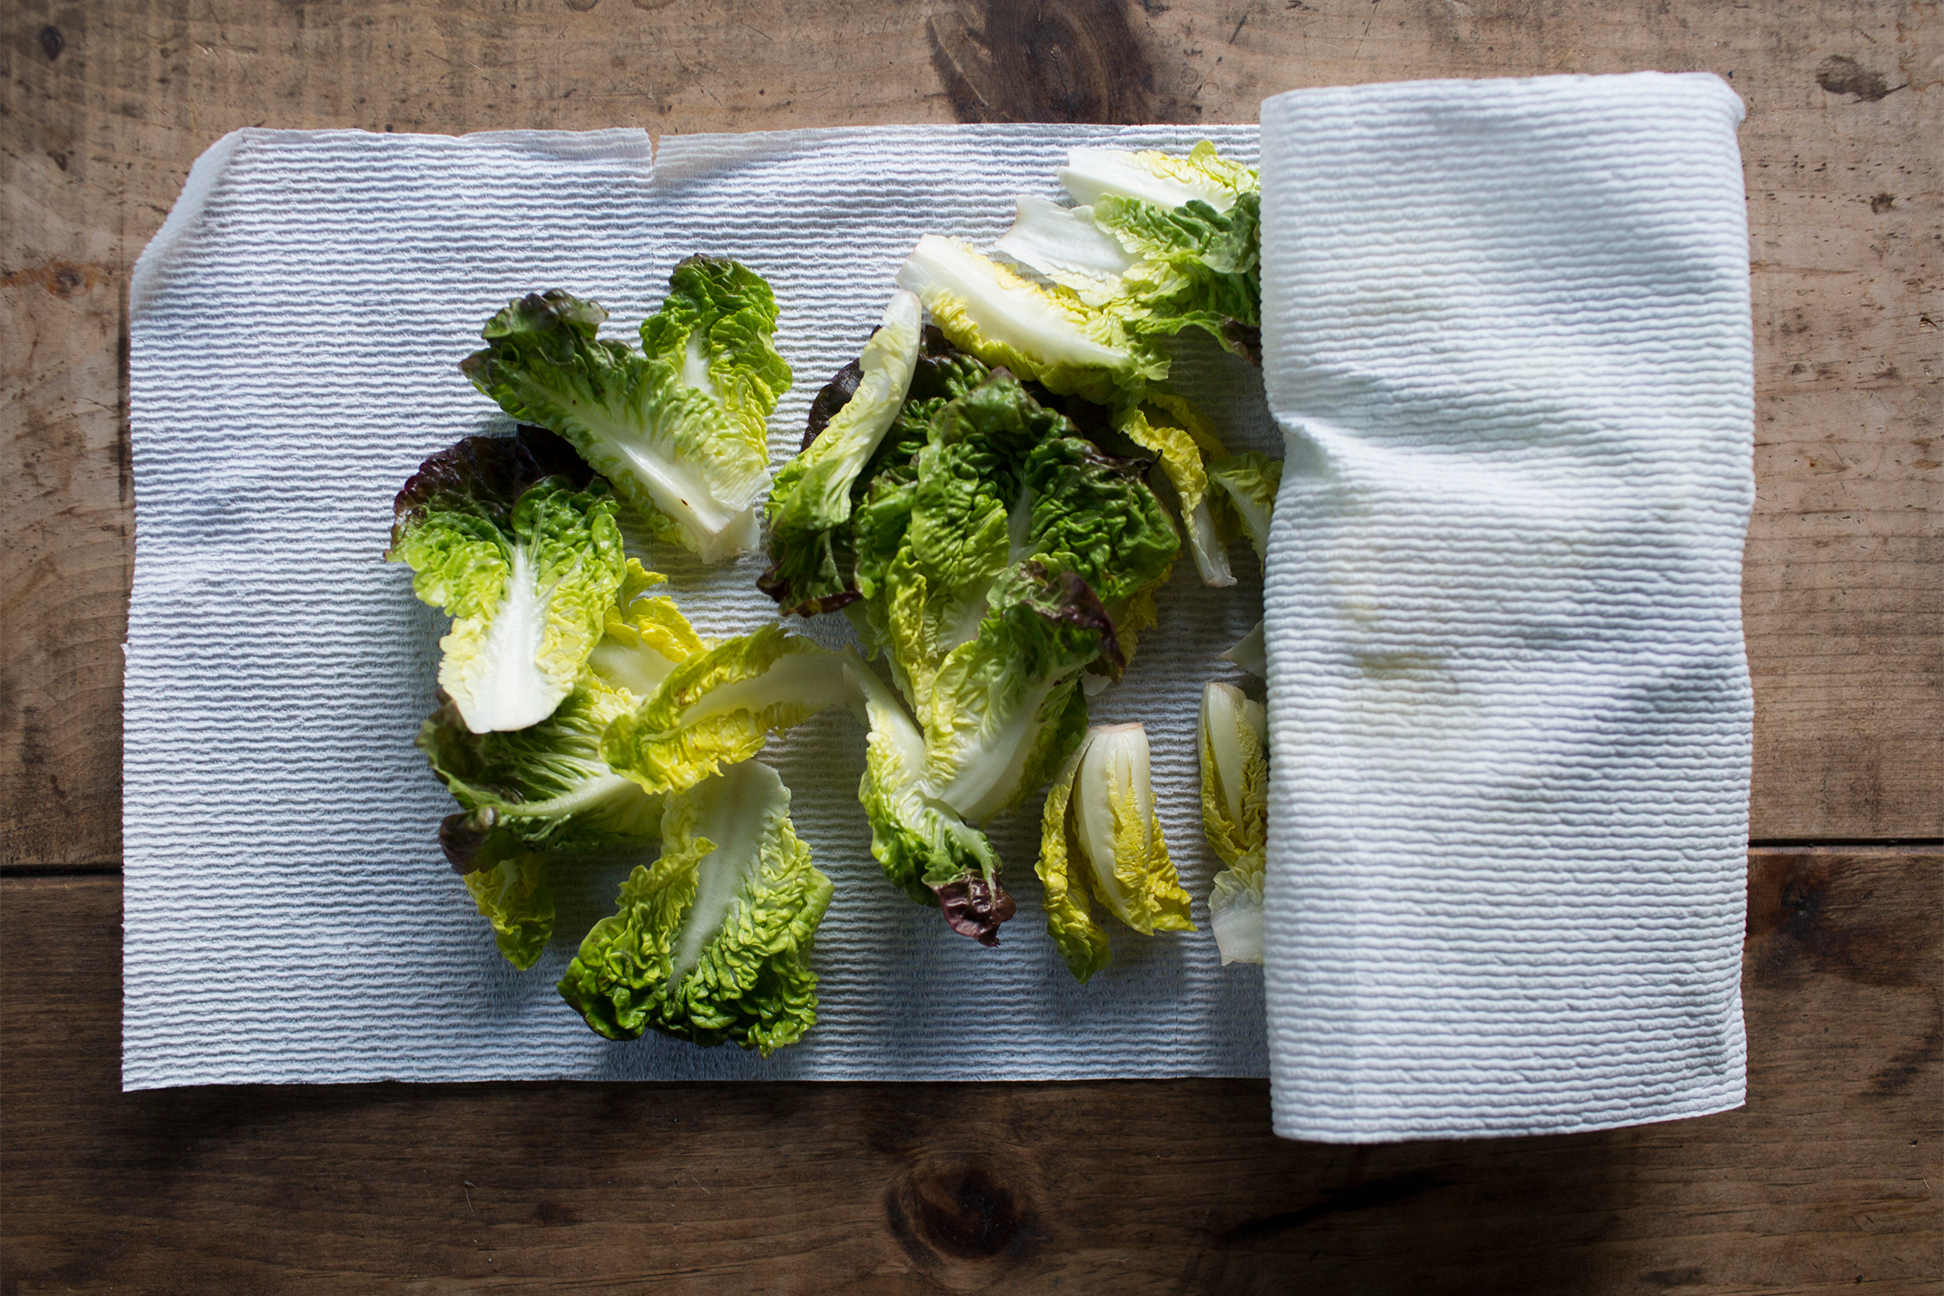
pixel 1841 74
pixel 1689 1276
pixel 1389 1190
pixel 1029 60
pixel 952 1214
pixel 1812 913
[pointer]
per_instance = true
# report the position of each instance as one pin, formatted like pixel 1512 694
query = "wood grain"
pixel 103 108
pixel 1827 1181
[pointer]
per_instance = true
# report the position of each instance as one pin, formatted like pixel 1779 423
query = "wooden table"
pixel 1827 1181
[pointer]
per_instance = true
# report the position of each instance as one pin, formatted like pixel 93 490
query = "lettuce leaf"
pixel 812 496
pixel 678 429
pixel 1235 815
pixel 518 541
pixel 515 895
pixel 1162 179
pixel 645 635
pixel 717 707
pixel 1006 707
pixel 1042 332
pixel 1100 837
pixel 712 944
pixel 1246 484
pixel 542 788
pixel 925 849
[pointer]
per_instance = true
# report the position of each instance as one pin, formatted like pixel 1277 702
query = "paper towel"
pixel 295 329
pixel 1506 331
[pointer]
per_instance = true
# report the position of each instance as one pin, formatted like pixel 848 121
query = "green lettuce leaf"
pixel 717 707
pixel 1158 243
pixel 1247 485
pixel 1006 707
pixel 679 430
pixel 1045 333
pixel 1162 179
pixel 1235 815
pixel 1094 514
pixel 925 849
pixel 516 897
pixel 645 636
pixel 812 496
pixel 542 788
pixel 970 520
pixel 1100 836
pixel 517 540
pixel 712 944
pixel 1179 440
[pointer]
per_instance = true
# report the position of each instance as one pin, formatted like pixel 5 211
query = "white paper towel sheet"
pixel 295 328
pixel 1506 330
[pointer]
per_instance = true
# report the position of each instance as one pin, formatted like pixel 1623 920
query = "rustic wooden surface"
pixel 1825 1181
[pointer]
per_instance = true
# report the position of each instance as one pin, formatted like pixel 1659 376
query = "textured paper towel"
pixel 1506 332
pixel 295 328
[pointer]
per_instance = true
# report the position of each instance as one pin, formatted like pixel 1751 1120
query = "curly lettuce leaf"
pixel 1037 331
pixel 969 521
pixel 715 328
pixel 516 897
pixel 717 707
pixel 521 546
pixel 1197 268
pixel 1006 706
pixel 645 635
pixel 680 430
pixel 812 496
pixel 1247 485
pixel 925 849
pixel 1174 441
pixel 542 788
pixel 1094 514
pixel 1235 815
pixel 1162 179
pixel 1157 270
pixel 1100 837
pixel 712 944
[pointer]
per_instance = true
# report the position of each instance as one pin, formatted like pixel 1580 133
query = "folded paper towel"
pixel 1506 333
pixel 296 328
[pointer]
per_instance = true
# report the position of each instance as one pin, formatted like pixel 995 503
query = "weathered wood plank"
pixel 1827 1180
pixel 103 108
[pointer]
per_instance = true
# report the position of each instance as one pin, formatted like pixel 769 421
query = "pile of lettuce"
pixel 974 494
pixel 563 653
pixel 992 493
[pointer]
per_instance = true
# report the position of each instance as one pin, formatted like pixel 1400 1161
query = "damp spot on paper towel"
pixel 1394 665
pixel 1883 202
pixel 52 42
pixel 1841 74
